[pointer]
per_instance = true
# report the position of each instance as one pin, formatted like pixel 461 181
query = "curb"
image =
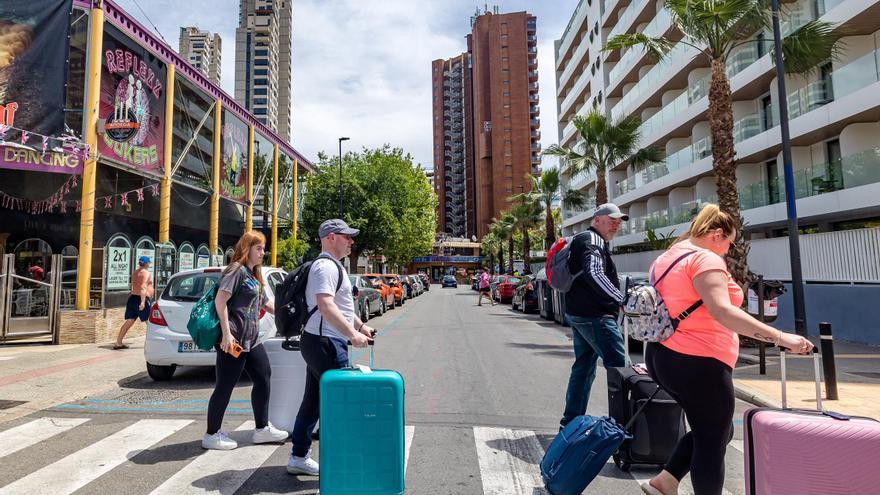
pixel 746 394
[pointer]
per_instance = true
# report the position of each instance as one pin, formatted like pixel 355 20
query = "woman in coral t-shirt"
pixel 695 364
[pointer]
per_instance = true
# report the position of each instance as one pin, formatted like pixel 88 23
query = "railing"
pixel 674 108
pixel 658 24
pixel 680 159
pixel 626 17
pixel 582 82
pixel 652 80
pixel 582 4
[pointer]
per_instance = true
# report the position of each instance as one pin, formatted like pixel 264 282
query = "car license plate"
pixel 189 346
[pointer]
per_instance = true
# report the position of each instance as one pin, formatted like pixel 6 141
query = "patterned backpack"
pixel 646 313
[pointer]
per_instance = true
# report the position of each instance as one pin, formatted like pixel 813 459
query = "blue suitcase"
pixel 362 432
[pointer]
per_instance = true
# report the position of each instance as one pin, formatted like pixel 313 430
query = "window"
pixel 261 62
pixel 260 101
pixel 263 53
pixel 772 177
pixel 261 82
pixel 260 91
pixel 505 81
pixel 260 111
pixel 767 112
pixel 261 72
pixel 198 45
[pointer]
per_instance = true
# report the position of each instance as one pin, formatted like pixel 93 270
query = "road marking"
pixel 509 461
pixel 77 470
pixel 229 469
pixel 34 432
pixel 737 444
pixel 408 438
pixel 31 374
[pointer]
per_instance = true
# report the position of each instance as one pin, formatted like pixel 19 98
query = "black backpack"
pixel 291 311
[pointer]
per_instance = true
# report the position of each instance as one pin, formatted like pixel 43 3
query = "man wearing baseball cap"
pixel 591 306
pixel 138 304
pixel 324 338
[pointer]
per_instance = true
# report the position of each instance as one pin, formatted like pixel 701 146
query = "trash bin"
pixel 766 292
pixel 542 289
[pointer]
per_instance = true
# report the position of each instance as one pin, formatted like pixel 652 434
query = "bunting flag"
pixel 56 200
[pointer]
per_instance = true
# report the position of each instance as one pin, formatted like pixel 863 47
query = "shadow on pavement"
pixel 169 453
pixel 185 378
pixel 266 479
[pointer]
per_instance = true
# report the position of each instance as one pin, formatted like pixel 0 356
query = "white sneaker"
pixel 302 465
pixel 218 441
pixel 269 434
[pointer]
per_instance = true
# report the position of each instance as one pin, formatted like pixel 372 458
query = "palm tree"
pixel 504 229
pixel 527 215
pixel 603 145
pixel 715 28
pixel 547 190
pixel 489 245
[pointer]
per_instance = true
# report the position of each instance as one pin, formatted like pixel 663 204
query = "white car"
pixel 168 343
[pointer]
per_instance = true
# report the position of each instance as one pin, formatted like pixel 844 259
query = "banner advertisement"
pixel 35 161
pixel 185 261
pixel 234 158
pixel 33 69
pixel 132 110
pixel 203 261
pixel 118 268
pixel 216 260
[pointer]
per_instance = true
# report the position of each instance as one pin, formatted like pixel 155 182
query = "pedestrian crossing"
pixel 508 460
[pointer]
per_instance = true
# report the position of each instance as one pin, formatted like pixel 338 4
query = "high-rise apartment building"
pixel 498 124
pixel 453 156
pixel 262 61
pixel 203 50
pixel 834 115
pixel 504 56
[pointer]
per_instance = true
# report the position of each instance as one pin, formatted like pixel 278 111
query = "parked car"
pixel 475 282
pixel 378 283
pixel 503 290
pixel 367 300
pixel 411 286
pixel 426 281
pixel 449 281
pixel 393 280
pixel 525 296
pixel 416 283
pixel 168 343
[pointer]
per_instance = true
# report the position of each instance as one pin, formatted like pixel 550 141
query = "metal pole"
pixel 827 346
pixel 794 249
pixel 762 348
pixel 340 174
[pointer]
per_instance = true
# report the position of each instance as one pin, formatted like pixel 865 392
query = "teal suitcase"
pixel 362 433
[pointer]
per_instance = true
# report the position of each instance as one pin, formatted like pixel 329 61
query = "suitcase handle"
pixel 818 378
pixel 370 344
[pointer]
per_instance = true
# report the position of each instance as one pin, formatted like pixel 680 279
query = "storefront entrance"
pixel 29 299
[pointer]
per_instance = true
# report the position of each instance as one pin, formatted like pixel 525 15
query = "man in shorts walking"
pixel 138 305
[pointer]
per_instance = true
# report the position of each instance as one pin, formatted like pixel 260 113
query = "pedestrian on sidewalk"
pixel 240 297
pixel 323 343
pixel 483 281
pixel 591 307
pixel 695 364
pixel 139 301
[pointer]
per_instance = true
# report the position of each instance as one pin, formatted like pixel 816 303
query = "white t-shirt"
pixel 323 278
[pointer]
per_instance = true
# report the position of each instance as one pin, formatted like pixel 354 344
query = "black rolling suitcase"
pixel 656 432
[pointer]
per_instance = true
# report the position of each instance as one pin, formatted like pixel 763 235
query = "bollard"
pixel 826 341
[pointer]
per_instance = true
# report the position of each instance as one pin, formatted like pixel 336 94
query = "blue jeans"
pixel 593 338
pixel 320 354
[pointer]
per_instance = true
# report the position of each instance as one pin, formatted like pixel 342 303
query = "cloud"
pixel 362 68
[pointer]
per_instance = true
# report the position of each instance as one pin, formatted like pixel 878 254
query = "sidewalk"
pixel 34 377
pixel 858 380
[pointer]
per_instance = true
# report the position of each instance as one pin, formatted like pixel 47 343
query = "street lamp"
pixel 794 248
pixel 340 173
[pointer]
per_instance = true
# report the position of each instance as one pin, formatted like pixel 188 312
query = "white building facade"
pixel 203 50
pixel 834 120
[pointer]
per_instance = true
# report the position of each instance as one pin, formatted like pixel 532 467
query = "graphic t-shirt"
pixel 244 307
pixel 699 334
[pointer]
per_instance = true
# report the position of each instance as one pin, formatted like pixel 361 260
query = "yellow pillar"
pixel 293 203
pixel 165 188
pixel 90 167
pixel 274 256
pixel 249 215
pixel 213 236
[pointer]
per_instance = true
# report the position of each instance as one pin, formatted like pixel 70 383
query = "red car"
pixel 504 285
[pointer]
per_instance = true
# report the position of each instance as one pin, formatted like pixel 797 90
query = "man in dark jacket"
pixel 592 305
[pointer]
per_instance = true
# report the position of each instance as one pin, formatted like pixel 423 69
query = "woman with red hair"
pixel 240 297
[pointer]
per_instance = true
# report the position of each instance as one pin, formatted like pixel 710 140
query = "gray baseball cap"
pixel 611 210
pixel 336 226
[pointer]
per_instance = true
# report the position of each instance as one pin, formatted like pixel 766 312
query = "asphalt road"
pixel 484 391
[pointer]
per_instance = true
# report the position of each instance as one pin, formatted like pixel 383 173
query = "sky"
pixel 362 68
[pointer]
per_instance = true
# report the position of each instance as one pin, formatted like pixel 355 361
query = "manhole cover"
pixel 9 404
pixel 866 374
pixel 151 396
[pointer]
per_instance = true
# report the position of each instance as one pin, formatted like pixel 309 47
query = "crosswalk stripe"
pixel 34 432
pixel 77 470
pixel 509 461
pixel 737 444
pixel 409 432
pixel 233 467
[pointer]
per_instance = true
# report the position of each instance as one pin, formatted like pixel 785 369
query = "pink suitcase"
pixel 799 451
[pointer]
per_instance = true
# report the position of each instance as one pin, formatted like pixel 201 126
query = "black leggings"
pixel 228 371
pixel 704 388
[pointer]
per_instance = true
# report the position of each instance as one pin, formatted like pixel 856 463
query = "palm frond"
pixel 656 48
pixel 573 199
pixel 646 156
pixel 808 46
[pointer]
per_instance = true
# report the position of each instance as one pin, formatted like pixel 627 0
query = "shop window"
pixel 186 257
pixel 166 264
pixel 119 266
pixel 190 106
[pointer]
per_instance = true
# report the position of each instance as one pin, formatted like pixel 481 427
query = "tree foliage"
pixel 384 195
